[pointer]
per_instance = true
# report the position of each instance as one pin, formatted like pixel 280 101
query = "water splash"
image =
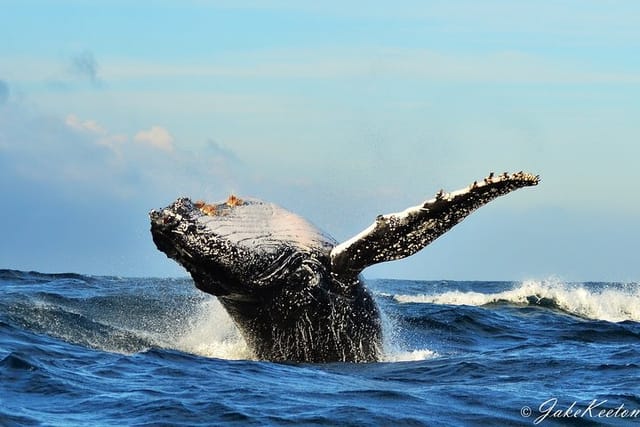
pixel 212 333
pixel 409 356
pixel 394 348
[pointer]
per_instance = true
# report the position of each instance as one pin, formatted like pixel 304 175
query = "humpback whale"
pixel 293 291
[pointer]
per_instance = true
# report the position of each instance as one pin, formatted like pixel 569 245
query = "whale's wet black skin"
pixel 292 290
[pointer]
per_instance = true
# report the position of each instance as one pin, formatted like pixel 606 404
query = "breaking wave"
pixel 597 301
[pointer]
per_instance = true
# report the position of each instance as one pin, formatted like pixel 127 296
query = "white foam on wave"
pixel 409 355
pixel 393 347
pixel 612 303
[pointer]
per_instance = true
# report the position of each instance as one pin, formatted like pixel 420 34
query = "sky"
pixel 336 111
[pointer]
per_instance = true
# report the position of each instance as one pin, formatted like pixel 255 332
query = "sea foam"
pixel 609 302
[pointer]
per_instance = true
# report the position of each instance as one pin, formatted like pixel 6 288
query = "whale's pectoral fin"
pixel 398 235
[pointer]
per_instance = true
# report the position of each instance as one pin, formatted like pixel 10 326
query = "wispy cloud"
pixel 87 125
pixel 73 71
pixel 507 66
pixel 85 67
pixel 156 137
pixel 93 128
pixel 222 152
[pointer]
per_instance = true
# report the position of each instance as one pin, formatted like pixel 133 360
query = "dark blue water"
pixel 78 350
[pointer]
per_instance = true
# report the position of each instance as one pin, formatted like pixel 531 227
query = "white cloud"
pixel 157 137
pixel 90 126
pixel 100 133
pixel 91 160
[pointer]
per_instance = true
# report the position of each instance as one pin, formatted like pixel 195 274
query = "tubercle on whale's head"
pixel 212 209
pixel 183 210
pixel 214 261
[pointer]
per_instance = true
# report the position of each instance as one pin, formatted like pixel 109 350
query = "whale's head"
pixel 239 248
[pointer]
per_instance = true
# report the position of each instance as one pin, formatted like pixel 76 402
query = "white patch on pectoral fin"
pixel 398 235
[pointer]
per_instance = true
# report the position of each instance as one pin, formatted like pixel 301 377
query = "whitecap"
pixel 609 302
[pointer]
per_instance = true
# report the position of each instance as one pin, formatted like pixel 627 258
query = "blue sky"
pixel 337 112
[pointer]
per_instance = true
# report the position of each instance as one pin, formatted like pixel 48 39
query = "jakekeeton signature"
pixel 596 408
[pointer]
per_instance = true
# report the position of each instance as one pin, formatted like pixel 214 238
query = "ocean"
pixel 81 350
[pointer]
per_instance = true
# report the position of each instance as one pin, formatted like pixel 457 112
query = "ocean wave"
pixel 609 302
pixel 130 324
